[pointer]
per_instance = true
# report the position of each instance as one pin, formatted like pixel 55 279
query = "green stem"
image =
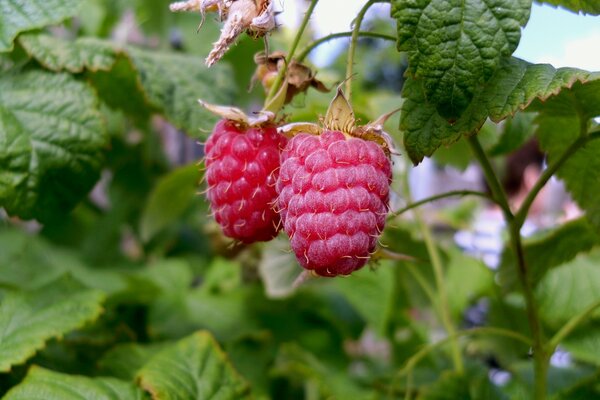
pixel 521 215
pixel 439 197
pixel 290 54
pixel 353 42
pixel 338 35
pixel 498 193
pixel 440 282
pixel 570 326
pixel 541 357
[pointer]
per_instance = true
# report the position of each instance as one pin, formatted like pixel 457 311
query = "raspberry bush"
pixel 311 266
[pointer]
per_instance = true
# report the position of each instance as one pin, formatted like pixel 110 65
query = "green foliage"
pixel 549 251
pixel 454 47
pixel 513 87
pixel 197 369
pixel 16 17
pixel 567 290
pixel 44 384
pixel 165 81
pixel 28 320
pixel 52 140
pixel 170 198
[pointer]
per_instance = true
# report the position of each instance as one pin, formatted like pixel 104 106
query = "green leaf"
pixel 515 132
pixel 584 344
pixel 20 16
pixel 73 56
pixel 579 6
pixel 370 292
pixel 141 81
pixel 513 87
pixel 278 269
pixel 193 368
pixel 562 121
pixel 29 262
pixel 225 315
pixel 51 143
pixel 332 383
pixel 548 251
pixel 43 384
pixel 568 290
pixel 174 82
pixel 29 319
pixel 455 46
pixel 125 360
pixel 467 279
pixel 170 198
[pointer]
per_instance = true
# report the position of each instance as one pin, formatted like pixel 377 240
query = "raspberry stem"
pixel 541 357
pixel 353 42
pixel 313 45
pixel 290 54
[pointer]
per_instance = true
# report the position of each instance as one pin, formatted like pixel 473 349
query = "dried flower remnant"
pixel 299 77
pixel 255 17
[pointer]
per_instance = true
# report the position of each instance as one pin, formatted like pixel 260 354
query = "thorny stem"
pixel 353 42
pixel 290 54
pixel 441 196
pixel 311 46
pixel 540 355
pixel 440 282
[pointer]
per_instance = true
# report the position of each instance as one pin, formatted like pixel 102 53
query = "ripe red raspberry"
pixel 333 200
pixel 242 165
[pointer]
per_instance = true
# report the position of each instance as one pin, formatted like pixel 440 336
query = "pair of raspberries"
pixel 329 192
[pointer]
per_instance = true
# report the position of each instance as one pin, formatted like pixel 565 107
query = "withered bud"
pixel 299 77
pixel 255 17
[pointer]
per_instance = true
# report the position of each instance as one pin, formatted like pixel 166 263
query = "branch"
pixel 290 55
pixel 339 35
pixel 521 215
pixel 570 326
pixel 442 196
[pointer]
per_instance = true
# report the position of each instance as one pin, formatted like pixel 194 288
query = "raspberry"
pixel 241 170
pixel 333 200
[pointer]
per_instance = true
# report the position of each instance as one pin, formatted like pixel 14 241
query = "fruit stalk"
pixel 540 356
pixel 290 54
pixel 353 42
pixel 313 45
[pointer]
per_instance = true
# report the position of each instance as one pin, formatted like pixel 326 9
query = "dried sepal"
pixel 340 117
pixel 237 115
pixel 299 77
pixel 374 132
pixel 291 130
pixel 256 17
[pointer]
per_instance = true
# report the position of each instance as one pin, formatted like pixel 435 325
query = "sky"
pixel 552 35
